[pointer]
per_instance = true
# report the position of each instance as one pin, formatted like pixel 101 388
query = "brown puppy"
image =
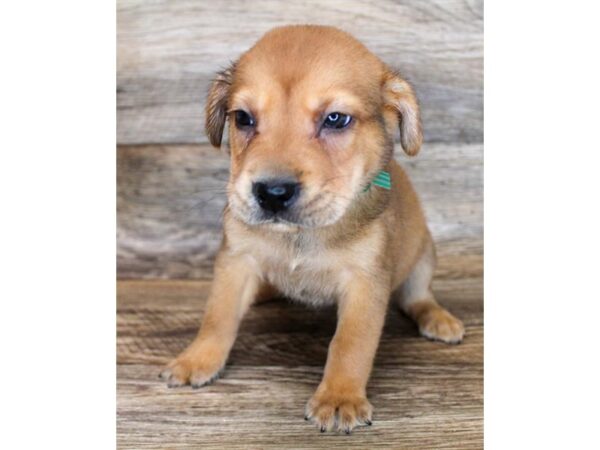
pixel 312 117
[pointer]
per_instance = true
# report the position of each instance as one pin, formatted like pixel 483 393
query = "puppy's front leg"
pixel 341 397
pixel 234 288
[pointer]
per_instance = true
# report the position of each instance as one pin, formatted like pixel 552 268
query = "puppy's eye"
pixel 243 119
pixel 337 121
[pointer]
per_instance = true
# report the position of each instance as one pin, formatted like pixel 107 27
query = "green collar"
pixel 382 179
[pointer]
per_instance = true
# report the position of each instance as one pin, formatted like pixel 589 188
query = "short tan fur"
pixel 343 240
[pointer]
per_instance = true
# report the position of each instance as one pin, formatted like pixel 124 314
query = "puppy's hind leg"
pixel 417 301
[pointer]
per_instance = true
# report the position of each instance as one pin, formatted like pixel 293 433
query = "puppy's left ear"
pixel 400 98
pixel 216 105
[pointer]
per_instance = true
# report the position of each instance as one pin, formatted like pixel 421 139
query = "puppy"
pixel 317 208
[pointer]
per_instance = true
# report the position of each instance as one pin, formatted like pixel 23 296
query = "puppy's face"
pixel 312 114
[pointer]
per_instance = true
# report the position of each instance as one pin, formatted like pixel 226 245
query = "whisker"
pixel 202 203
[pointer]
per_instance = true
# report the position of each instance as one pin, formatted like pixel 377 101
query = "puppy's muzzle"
pixel 276 195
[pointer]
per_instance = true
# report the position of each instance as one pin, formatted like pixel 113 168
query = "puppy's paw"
pixel 337 410
pixel 438 324
pixel 195 366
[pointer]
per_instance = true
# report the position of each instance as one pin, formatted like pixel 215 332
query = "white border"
pixel 57 187
pixel 541 224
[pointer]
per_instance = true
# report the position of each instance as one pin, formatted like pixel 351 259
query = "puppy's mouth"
pixel 287 219
pixel 320 210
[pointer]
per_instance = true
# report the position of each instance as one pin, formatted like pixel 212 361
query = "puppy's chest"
pixel 306 273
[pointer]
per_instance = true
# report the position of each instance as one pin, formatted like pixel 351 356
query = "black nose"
pixel 275 195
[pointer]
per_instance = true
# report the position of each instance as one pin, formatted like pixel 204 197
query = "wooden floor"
pixel 425 394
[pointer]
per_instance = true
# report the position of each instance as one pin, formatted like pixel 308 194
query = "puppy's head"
pixel 312 115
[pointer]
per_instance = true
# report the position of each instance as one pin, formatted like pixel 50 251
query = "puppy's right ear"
pixel 216 105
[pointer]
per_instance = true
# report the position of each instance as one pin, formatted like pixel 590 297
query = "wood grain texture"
pixel 426 394
pixel 170 200
pixel 168 51
pixel 171 194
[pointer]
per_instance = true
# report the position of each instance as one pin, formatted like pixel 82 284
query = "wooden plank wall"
pixel 168 51
pixel 170 182
pixel 171 197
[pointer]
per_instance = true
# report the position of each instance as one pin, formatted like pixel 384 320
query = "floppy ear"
pixel 400 97
pixel 216 105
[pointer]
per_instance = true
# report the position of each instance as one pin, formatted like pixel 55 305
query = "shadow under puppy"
pixel 317 208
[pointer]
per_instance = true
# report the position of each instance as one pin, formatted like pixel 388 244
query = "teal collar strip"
pixel 382 180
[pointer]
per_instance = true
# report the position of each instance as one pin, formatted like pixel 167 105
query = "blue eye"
pixel 243 119
pixel 337 121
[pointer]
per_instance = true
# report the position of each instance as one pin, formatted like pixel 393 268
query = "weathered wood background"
pixel 170 182
pixel 171 193
pixel 171 197
pixel 168 52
